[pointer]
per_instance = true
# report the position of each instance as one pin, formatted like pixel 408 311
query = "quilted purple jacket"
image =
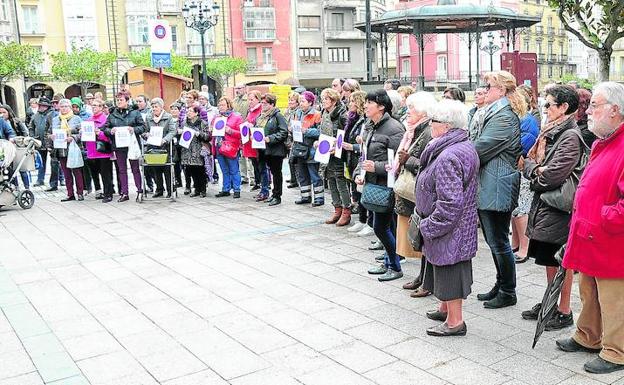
pixel 446 198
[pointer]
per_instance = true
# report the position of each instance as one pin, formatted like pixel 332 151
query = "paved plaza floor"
pixel 223 291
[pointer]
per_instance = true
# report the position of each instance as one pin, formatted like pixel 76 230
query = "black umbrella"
pixel 551 298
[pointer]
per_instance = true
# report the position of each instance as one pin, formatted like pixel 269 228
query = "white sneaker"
pixel 367 230
pixel 356 227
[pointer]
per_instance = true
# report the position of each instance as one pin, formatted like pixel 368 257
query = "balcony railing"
pixel 333 32
pixel 262 68
pixel 552 57
pixel 551 30
pixel 541 57
pixel 539 29
pixel 138 47
pixel 562 32
pixel 258 3
pixel 263 34
pixel 350 4
pixel 196 50
pixel 563 58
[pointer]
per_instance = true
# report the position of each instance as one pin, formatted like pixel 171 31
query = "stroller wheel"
pixel 26 199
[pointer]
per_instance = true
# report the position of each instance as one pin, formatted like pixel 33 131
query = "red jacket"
pixel 233 121
pixel 252 115
pixel 596 241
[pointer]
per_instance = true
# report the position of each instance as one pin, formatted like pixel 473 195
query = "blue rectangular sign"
pixel 161 60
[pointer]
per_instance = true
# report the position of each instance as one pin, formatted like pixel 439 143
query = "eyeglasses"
pixel 593 106
pixel 438 121
pixel 548 104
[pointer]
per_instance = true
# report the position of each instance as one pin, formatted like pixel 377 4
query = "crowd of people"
pixel 421 174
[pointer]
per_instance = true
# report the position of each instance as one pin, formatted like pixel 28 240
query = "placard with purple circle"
pixel 323 150
pixel 187 137
pixel 257 138
pixel 245 130
pixel 219 126
pixel 339 140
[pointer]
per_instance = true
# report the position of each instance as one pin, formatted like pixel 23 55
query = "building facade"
pixel 327 44
pixel 548 40
pixel 119 26
pixel 260 32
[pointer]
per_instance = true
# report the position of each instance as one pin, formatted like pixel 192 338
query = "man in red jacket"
pixel 596 243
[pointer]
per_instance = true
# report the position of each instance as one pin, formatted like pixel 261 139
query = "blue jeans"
pixel 384 227
pixel 231 173
pixel 265 186
pixel 495 226
pixel 25 175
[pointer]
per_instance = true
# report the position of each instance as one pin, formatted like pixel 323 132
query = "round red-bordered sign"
pixel 160 31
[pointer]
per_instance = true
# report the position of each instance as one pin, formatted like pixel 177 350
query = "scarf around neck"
pixel 538 152
pixel 410 131
pixel 264 117
pixel 65 121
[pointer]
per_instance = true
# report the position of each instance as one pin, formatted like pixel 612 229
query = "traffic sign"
pixel 160 36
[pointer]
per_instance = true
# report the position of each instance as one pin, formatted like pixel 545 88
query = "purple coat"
pixel 446 198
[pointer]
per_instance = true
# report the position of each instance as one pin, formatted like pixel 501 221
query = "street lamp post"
pixel 201 15
pixel 491 49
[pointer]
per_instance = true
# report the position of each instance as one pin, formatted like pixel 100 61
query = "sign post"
pixel 160 44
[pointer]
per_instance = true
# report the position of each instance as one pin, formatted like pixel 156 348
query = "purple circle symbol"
pixel 323 147
pixel 258 136
pixel 245 130
pixel 339 141
pixel 187 135
pixel 219 124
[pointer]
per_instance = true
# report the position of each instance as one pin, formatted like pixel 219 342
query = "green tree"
pixel 179 64
pixel 17 60
pixel 596 23
pixel 84 66
pixel 222 68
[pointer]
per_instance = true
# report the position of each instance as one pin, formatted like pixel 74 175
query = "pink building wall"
pixel 282 45
pixel 457 64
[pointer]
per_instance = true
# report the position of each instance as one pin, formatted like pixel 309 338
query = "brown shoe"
pixel 420 293
pixel 413 285
pixel 335 217
pixel 345 218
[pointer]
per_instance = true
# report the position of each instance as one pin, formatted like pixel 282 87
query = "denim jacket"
pixel 497 141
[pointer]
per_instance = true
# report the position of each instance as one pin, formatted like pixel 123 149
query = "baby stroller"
pixel 13 159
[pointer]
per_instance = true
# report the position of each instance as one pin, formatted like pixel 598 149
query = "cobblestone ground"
pixel 217 291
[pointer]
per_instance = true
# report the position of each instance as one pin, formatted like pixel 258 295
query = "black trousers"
pixel 94 169
pixel 158 172
pixel 198 173
pixel 275 166
pixel 105 170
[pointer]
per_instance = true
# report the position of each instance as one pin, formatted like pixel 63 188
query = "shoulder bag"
pixel 562 198
pixel 405 184
pixel 377 198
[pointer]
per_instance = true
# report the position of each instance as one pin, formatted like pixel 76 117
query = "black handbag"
pixel 300 150
pixel 103 147
pixel 414 235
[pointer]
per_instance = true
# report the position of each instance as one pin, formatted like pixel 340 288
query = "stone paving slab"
pixel 217 291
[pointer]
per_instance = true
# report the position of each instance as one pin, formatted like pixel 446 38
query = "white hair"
pixel 453 112
pixel 65 102
pixel 395 98
pixel 158 101
pixel 422 101
pixel 613 92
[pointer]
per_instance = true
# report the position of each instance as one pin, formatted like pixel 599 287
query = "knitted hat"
pixel 309 96
pixel 76 101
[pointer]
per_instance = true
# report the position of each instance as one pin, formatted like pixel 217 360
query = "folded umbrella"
pixel 551 297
